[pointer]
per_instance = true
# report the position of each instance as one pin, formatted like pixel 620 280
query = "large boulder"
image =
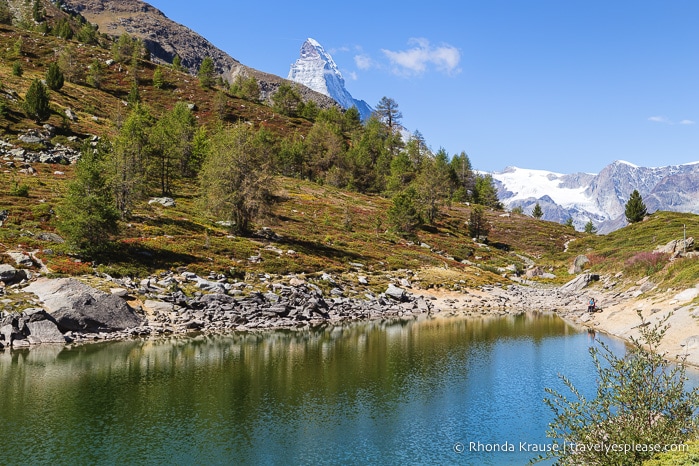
pixel 579 282
pixel 79 307
pixel 578 264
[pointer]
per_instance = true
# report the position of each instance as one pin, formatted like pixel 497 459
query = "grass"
pixel 321 228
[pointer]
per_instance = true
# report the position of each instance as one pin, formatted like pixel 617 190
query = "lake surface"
pixel 398 392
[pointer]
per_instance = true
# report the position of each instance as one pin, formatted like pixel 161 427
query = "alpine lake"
pixel 431 390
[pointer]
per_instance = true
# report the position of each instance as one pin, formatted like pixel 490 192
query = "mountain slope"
pixel 600 197
pixel 165 38
pixel 317 70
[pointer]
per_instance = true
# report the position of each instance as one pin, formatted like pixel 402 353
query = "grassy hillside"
pixel 315 228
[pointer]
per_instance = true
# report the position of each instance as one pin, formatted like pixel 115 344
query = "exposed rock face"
pixel 165 38
pixel 79 307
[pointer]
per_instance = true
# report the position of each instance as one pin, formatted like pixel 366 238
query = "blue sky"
pixel 563 85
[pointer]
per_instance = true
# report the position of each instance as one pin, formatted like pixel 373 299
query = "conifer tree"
pixel 87 215
pixel 477 223
pixel 206 73
pixel 54 77
pixel 537 212
pixel 635 209
pixel 590 228
pixel 36 102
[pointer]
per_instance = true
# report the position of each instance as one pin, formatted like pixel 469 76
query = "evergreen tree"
pixel 54 77
pixel 95 74
pixel 590 228
pixel 36 102
pixel 130 156
pixel 177 63
pixel 17 69
pixel 63 29
pixel 403 215
pixel 134 96
pixel 87 215
pixel 434 185
pixel 635 209
pixel 462 169
pixel 206 73
pixel 171 141
pixel 38 11
pixel 477 223
pixel 87 33
pixel 569 222
pixel 484 192
pixel 537 212
pixel 286 100
pixel 388 113
pixel 158 80
pixel 236 181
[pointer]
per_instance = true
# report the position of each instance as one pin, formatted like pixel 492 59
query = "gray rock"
pixel 9 274
pixel 578 264
pixel 164 201
pixel 578 283
pixel 50 237
pixel 79 307
pixel 395 293
pixel 44 331
pixel 21 258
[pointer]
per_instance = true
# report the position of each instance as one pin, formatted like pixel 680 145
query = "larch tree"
pixel 236 180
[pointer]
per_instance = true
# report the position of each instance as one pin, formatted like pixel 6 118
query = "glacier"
pixel 599 197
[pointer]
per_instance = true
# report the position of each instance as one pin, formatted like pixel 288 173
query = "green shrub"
pixel 20 190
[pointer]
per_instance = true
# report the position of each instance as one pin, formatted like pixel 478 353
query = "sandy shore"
pixel 619 304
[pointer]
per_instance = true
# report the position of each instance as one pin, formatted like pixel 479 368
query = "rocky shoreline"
pixel 67 310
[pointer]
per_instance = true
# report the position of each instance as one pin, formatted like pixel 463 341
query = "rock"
pixel 44 331
pixel 9 274
pixel 686 295
pixel 578 283
pixel 676 245
pixel 404 282
pixel 296 282
pixel 164 201
pixel 21 258
pixel 50 237
pixel 78 307
pixel 120 292
pixel 69 114
pixel 578 264
pixel 362 280
pixel 158 306
pixel 395 293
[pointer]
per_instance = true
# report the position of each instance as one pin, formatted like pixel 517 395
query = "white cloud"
pixel 353 75
pixel 363 62
pixel 667 121
pixel 415 60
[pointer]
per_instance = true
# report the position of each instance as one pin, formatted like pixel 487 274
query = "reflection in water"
pixel 389 392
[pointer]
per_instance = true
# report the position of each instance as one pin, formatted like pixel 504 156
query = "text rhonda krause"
pixel 574 447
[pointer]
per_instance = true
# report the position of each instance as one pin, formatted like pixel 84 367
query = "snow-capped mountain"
pixel 317 70
pixel 600 197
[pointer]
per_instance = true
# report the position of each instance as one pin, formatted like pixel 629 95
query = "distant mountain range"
pixel 317 70
pixel 600 197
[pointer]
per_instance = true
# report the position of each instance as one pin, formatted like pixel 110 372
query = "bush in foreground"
pixel 641 400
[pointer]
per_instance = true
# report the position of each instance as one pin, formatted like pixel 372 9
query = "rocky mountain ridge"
pixel 600 197
pixel 165 38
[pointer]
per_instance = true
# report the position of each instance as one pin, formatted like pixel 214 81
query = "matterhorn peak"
pixel 316 69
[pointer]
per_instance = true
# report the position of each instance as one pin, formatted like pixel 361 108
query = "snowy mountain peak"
pixel 600 197
pixel 316 69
